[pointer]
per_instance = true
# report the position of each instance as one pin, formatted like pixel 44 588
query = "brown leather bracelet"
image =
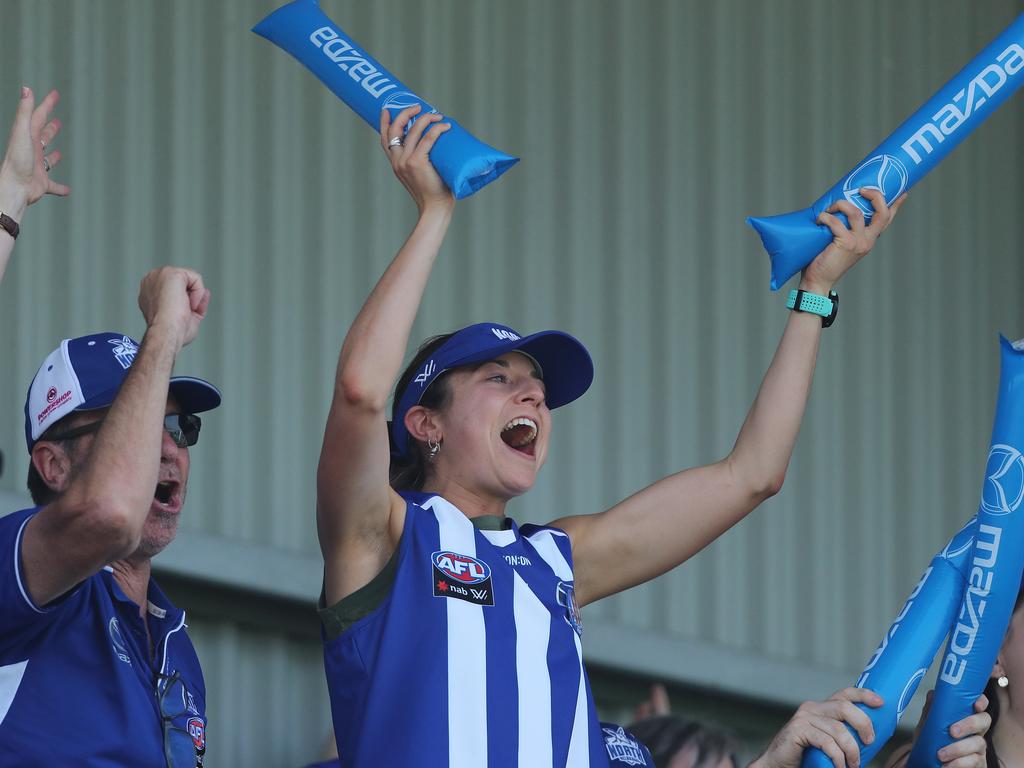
pixel 9 224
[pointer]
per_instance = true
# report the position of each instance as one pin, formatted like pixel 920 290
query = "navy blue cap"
pixel 565 366
pixel 86 373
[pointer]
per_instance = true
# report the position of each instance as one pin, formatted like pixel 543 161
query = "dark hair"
pixel 410 473
pixel 668 735
pixel 991 691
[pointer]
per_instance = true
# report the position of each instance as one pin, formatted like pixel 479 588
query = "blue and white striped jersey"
pixel 472 659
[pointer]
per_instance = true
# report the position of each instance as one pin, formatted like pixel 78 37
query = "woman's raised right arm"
pixel 359 517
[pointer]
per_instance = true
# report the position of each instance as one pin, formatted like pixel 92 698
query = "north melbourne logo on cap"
pixel 124 350
pixel 428 371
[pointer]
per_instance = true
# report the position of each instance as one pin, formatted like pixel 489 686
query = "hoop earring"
pixel 435 448
pixel 1003 681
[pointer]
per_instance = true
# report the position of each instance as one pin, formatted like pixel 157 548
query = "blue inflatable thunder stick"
pixel 301 28
pixel 994 580
pixel 894 166
pixel 910 644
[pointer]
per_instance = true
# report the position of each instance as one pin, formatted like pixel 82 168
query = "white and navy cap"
pixel 565 367
pixel 86 373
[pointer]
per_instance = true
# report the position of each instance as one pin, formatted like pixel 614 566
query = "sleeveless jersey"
pixel 472 659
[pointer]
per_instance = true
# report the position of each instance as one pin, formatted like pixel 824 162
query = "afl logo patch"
pixel 462 577
pixel 466 569
pixel 196 728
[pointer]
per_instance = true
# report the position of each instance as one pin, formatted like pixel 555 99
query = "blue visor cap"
pixel 565 366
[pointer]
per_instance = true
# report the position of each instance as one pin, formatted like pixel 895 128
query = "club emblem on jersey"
pixel 462 577
pixel 622 748
pixel 117 641
pixel 565 593
pixel 196 728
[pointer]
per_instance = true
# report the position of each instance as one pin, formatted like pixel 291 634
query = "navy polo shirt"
pixel 78 685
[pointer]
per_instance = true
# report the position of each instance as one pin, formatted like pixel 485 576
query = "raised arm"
pixel 359 517
pixel 104 501
pixel 663 525
pixel 24 173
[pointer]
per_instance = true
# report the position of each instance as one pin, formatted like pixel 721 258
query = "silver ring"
pixel 398 141
pixel 46 165
pixel 42 144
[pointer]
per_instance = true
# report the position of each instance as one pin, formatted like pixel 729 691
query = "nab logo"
pixel 124 351
pixel 882 172
pixel 462 577
pixel 1004 480
pixel 428 371
pixel 505 335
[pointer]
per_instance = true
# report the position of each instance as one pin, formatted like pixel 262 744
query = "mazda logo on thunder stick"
pixel 882 172
pixel 462 577
pixel 1004 480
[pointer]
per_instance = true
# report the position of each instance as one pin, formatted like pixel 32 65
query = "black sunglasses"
pixel 182 427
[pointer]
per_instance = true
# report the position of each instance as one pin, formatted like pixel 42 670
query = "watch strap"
pixel 825 306
pixel 10 225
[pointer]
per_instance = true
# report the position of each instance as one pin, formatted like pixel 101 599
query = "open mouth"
pixel 166 494
pixel 521 435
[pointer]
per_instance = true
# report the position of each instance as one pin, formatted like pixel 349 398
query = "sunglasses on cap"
pixel 182 427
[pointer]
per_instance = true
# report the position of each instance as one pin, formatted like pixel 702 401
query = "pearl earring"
pixel 1003 681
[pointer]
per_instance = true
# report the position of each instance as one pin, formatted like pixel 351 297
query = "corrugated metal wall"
pixel 648 130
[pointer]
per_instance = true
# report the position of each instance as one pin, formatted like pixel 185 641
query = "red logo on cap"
pixel 51 393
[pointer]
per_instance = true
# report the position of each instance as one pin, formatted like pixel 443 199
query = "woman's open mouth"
pixel 521 435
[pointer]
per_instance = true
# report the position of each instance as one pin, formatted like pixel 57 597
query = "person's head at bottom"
pixel 676 742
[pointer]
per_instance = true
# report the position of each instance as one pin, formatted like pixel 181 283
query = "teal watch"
pixel 826 306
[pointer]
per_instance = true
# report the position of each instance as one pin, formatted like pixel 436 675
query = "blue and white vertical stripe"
pixel 439 680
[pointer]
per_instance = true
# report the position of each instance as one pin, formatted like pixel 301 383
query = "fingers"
pixel 49 132
pixel 25 106
pixel 659 699
pixel 883 213
pixel 41 114
pixel 424 147
pixel 859 696
pixel 966 753
pixel 845 711
pixel 972 725
pixel 853 214
pixel 412 138
pixel 981 703
pixel 831 721
pixel 396 127
pixel 835 225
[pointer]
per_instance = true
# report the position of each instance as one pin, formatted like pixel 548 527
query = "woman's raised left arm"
pixel 666 523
